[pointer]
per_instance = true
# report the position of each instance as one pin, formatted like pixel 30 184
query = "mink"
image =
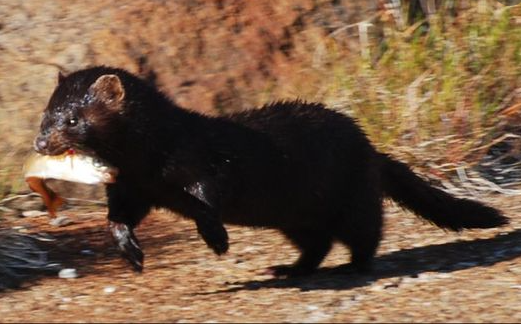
pixel 301 168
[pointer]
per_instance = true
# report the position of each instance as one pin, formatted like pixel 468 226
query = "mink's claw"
pixel 128 244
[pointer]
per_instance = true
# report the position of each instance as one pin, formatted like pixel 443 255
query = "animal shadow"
pixel 441 258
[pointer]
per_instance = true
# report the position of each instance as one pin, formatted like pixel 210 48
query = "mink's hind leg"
pixel 126 210
pixel 361 233
pixel 314 245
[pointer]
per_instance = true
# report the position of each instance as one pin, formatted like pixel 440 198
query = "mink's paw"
pixel 128 244
pixel 215 236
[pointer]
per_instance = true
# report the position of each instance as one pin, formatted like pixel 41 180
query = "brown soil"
pixel 422 274
pixel 218 56
pixel 210 56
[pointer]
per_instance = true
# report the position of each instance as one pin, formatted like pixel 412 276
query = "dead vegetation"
pixel 436 93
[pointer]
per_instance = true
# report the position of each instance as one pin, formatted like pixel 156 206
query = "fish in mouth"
pixel 70 166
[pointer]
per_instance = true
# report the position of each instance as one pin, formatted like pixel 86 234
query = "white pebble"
pixel 68 273
pixel 109 289
pixel 61 221
pixel 33 213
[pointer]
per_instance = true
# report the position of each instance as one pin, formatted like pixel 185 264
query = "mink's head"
pixel 85 107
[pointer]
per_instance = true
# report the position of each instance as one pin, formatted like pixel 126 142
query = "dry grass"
pixel 427 94
pixel 432 96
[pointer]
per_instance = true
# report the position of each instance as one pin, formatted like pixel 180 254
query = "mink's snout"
pixel 40 144
pixel 49 144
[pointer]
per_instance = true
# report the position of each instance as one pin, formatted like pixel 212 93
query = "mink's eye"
pixel 72 122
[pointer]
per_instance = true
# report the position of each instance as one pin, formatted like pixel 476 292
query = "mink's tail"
pixel 434 205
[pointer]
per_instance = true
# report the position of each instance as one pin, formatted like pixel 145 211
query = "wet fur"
pixel 297 167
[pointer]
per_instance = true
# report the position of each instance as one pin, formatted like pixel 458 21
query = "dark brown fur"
pixel 298 167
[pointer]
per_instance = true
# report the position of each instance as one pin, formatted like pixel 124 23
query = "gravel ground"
pixel 422 274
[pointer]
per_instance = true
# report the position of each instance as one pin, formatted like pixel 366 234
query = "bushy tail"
pixel 435 205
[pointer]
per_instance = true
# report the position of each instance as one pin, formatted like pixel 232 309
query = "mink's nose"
pixel 40 144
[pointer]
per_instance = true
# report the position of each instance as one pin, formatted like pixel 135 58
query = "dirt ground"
pixel 422 274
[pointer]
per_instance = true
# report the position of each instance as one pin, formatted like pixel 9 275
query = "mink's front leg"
pixel 126 210
pixel 128 244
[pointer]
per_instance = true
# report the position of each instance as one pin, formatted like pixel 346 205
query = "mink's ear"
pixel 61 77
pixel 109 90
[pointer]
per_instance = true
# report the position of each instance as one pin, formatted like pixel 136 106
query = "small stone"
pixel 33 213
pixel 68 273
pixel 312 308
pixel 61 221
pixel 44 237
pixel 109 289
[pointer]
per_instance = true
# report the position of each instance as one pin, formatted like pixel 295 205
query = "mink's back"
pixel 279 165
pixel 326 158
